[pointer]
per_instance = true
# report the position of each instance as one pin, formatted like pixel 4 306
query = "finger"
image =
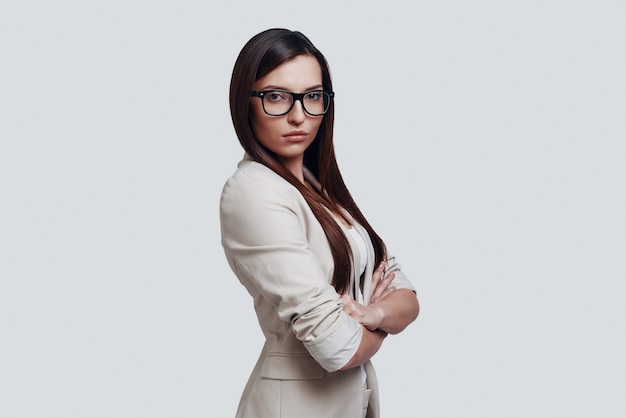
pixel 379 273
pixel 384 294
pixel 349 305
pixel 352 309
pixel 381 286
pixel 348 308
pixel 386 281
pixel 387 292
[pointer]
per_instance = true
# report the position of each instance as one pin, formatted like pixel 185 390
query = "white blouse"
pixel 360 243
pixel 362 258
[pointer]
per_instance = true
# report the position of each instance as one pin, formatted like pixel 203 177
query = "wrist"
pixel 380 316
pixel 372 318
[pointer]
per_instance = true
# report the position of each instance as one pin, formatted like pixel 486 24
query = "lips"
pixel 296 136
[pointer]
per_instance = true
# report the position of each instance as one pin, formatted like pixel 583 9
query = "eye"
pixel 276 96
pixel 313 96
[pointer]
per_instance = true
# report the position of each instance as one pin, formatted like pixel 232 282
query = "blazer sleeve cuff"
pixel 400 281
pixel 335 351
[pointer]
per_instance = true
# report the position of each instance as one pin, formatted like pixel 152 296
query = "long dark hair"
pixel 259 56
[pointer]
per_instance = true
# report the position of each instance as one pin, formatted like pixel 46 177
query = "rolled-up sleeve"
pixel 400 281
pixel 266 245
pixel 336 350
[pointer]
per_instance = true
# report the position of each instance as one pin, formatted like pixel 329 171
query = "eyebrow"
pixel 275 87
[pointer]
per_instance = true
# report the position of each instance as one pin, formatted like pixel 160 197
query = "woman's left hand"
pixel 381 284
pixel 369 316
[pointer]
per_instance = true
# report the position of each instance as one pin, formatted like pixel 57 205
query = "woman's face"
pixel 289 135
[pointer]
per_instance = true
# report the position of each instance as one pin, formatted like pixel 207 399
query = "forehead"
pixel 299 74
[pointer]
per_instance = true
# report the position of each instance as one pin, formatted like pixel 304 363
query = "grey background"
pixel 484 141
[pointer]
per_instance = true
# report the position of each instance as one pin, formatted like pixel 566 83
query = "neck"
pixel 296 166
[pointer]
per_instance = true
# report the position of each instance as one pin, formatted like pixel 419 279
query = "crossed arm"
pixel 390 311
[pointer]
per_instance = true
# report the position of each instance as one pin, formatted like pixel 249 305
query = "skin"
pixel 390 311
pixel 288 136
pixel 299 75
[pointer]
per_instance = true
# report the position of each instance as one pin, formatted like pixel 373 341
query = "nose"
pixel 296 115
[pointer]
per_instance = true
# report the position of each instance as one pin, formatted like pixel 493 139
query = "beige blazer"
pixel 279 252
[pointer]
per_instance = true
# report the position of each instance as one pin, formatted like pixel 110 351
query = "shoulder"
pixel 253 182
pixel 258 205
pixel 252 171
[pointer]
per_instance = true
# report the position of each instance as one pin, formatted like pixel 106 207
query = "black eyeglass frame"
pixel 296 97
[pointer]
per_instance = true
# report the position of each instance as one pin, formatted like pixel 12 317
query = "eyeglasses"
pixel 280 102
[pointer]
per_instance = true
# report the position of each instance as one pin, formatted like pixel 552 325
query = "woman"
pixel 325 291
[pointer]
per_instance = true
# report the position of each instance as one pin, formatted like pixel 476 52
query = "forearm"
pixel 371 342
pixel 398 310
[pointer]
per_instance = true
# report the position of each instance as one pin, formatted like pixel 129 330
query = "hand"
pixel 369 316
pixel 381 283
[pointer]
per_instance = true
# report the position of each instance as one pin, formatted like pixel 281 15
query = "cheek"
pixel 257 120
pixel 263 127
pixel 316 126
